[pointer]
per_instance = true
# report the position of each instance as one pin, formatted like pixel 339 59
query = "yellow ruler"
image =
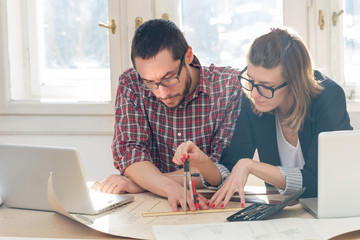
pixel 212 210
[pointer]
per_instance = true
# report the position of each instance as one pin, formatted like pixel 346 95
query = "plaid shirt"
pixel 147 130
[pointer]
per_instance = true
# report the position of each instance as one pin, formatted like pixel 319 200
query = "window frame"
pixel 326 46
pixel 33 107
pixel 26 117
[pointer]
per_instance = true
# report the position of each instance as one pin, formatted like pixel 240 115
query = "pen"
pixel 190 183
pixel 196 196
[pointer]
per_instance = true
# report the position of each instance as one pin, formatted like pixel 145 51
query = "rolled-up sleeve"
pixel 132 135
pixel 224 172
pixel 293 178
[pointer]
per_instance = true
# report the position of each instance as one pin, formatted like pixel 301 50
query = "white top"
pixel 292 160
pixel 290 156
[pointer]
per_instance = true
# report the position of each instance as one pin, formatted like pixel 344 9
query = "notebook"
pixel 338 176
pixel 24 174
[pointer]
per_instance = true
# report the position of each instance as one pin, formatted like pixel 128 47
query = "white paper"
pixel 267 230
pixel 285 228
pixel 127 220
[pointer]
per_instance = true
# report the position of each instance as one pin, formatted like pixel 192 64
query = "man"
pixel 166 99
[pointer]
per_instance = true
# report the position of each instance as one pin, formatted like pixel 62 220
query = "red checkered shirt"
pixel 147 130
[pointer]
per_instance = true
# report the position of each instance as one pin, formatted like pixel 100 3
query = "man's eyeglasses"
pixel 169 82
pixel 265 91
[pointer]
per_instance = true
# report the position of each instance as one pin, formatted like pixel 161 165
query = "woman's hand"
pixel 234 183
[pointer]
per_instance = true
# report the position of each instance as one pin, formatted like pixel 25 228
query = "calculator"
pixel 261 211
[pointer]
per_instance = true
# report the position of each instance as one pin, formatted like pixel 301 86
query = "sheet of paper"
pixel 329 228
pixel 127 220
pixel 285 228
pixel 260 230
pixel 53 200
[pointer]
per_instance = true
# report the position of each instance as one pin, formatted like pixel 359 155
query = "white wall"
pixel 94 150
pixel 355 119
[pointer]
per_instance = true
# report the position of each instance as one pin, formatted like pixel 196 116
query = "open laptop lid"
pixel 24 174
pixel 338 175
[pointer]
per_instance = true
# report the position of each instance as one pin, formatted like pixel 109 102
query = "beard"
pixel 185 92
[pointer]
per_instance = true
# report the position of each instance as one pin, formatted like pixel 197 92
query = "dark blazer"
pixel 327 112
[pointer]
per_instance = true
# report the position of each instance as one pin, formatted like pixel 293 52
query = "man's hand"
pixel 198 159
pixel 118 184
pixel 175 195
pixel 143 176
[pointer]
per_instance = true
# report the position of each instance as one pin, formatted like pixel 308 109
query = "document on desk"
pixel 127 220
pixel 284 228
pixel 270 229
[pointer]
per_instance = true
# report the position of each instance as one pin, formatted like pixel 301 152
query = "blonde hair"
pixel 279 47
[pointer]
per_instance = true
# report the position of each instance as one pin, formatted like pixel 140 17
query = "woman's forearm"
pixel 268 173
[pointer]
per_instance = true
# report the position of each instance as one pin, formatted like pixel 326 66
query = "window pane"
pixel 352 42
pixel 221 32
pixel 76 51
pixel 68 52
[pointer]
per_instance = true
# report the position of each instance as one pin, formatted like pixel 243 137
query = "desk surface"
pixel 41 224
pixel 29 223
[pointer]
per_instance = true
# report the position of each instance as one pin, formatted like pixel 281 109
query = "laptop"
pixel 24 174
pixel 338 176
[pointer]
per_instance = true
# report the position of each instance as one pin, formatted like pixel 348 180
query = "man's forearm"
pixel 178 176
pixel 148 176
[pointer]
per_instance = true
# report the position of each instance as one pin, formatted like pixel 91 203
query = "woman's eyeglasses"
pixel 265 91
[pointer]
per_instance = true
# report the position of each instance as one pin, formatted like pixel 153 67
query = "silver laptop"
pixel 338 176
pixel 24 174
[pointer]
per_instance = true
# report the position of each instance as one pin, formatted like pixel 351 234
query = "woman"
pixel 285 106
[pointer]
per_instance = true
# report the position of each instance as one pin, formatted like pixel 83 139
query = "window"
pixel 336 47
pixel 64 55
pixel 221 32
pixel 56 59
pixel 38 92
pixel 351 25
pixel 41 71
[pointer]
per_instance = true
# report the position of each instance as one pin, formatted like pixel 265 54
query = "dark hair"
pixel 156 35
pixel 279 47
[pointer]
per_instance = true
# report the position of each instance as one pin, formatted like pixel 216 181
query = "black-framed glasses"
pixel 169 82
pixel 265 91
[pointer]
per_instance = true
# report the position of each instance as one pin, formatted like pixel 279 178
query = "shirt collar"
pixel 204 84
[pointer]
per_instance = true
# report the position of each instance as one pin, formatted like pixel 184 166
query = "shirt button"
pixel 179 134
